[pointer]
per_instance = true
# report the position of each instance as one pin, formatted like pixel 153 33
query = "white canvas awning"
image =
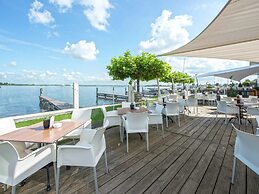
pixel 233 34
pixel 235 74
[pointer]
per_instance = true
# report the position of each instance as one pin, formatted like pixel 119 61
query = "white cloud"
pixel 13 63
pixel 63 5
pixel 97 12
pixel 167 33
pixel 3 75
pixel 39 16
pixel 82 50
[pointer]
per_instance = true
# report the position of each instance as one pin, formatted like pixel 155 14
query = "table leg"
pixel 48 188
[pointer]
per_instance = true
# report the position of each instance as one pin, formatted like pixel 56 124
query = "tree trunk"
pixel 158 87
pixel 138 86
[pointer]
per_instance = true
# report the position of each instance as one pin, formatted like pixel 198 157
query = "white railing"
pixel 52 113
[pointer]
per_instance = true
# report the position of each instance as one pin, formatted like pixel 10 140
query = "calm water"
pixel 20 100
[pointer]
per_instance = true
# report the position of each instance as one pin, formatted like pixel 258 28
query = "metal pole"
pixel 96 96
pixel 76 95
pixel 113 98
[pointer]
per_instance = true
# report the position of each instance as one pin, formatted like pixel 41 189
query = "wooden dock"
pixel 117 97
pixel 195 158
pixel 47 103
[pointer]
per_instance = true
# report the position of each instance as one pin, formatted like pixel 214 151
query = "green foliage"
pixel 144 67
pixel 232 92
pixel 178 77
pixel 246 83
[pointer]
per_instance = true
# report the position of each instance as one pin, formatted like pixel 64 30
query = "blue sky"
pixel 61 41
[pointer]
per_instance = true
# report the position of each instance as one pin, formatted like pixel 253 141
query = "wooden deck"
pixel 194 158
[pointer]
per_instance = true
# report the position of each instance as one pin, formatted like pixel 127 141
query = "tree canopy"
pixel 178 77
pixel 144 67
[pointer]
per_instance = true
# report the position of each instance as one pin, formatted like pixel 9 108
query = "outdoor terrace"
pixel 194 158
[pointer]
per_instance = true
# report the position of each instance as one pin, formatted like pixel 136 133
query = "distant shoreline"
pixel 83 85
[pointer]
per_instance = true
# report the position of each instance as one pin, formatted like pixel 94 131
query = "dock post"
pixel 75 95
pixel 113 98
pixel 96 96
pixel 41 91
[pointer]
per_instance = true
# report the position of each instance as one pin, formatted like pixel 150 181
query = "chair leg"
pixel 163 133
pixel 217 115
pixel 156 127
pixel 106 163
pixel 13 189
pixel 57 180
pixel 147 141
pixel 95 181
pixel 55 172
pixel 166 121
pixel 233 170
pixel 121 133
pixel 225 118
pixel 127 137
pixel 179 120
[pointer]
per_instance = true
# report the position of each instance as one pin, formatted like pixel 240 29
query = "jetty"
pixel 50 104
pixel 117 97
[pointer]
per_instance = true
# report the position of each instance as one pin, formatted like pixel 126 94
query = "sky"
pixel 62 41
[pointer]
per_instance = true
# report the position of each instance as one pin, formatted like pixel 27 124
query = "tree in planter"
pixel 246 83
pixel 144 67
pixel 177 77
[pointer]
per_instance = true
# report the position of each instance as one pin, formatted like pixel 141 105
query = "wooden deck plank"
pixel 194 158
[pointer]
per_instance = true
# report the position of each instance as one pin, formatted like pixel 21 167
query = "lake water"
pixel 20 100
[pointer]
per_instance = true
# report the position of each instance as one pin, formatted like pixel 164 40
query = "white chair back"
pixel 182 104
pixel 8 160
pixel 173 97
pixel 7 125
pixel 81 115
pixel 246 149
pixel 172 108
pixel 137 122
pixel 126 104
pixel 211 97
pixel 159 108
pixel 222 106
pixel 192 102
pixel 227 99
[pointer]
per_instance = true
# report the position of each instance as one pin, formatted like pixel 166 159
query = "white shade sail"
pixel 233 34
pixel 235 74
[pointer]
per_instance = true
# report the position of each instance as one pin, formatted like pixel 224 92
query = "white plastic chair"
pixel 7 125
pixel 172 109
pixel 81 115
pixel 246 150
pixel 252 111
pixel 211 98
pixel 126 104
pixel 136 123
pixel 172 97
pixel 156 117
pixel 182 107
pixel 87 152
pixel 222 107
pixel 193 102
pixel 14 169
pixel 227 99
pixel 113 118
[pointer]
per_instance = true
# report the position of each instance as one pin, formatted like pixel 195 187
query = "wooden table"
pixel 37 134
pixel 123 111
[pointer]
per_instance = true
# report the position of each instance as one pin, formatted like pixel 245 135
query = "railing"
pixel 52 113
